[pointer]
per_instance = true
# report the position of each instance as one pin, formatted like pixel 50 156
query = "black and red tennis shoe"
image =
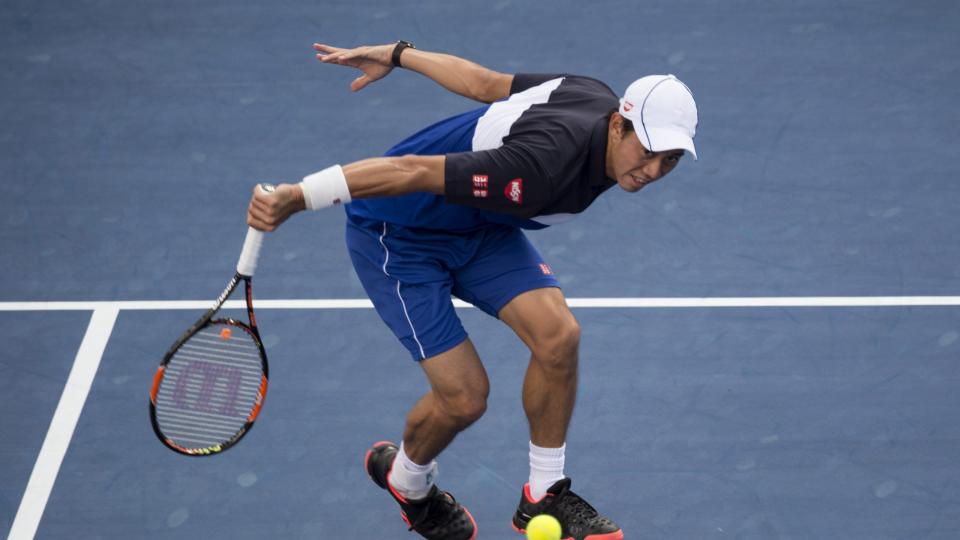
pixel 578 519
pixel 438 516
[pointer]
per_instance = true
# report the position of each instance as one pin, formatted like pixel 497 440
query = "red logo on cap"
pixel 514 190
pixel 627 106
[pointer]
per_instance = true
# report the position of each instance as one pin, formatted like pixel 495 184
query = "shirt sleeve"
pixel 522 81
pixel 511 179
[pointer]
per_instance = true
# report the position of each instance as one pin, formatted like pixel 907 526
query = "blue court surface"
pixel 771 335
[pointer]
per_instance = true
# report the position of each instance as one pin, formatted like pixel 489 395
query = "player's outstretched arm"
pixel 453 73
pixel 368 178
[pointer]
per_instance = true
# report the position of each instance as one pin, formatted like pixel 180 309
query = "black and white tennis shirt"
pixel 534 159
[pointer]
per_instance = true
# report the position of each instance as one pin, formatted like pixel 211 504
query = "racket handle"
pixel 247 264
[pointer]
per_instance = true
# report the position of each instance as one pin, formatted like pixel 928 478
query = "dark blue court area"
pixel 131 135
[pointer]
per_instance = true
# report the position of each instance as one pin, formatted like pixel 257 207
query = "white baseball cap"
pixel 663 113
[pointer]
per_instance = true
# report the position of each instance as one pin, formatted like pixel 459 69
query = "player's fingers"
pixel 339 55
pixel 260 208
pixel 263 196
pixel 360 83
pixel 255 208
pixel 263 220
pixel 334 59
pixel 269 210
pixel 274 207
pixel 353 53
pixel 329 57
pixel 353 57
pixel 265 213
pixel 341 59
pixel 259 225
pixel 253 219
pixel 326 48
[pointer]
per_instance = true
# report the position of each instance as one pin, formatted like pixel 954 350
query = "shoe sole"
pixel 617 535
pixel 366 460
pixel 366 467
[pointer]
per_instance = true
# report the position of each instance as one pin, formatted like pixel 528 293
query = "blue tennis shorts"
pixel 411 275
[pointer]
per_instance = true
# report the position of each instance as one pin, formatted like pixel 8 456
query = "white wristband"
pixel 325 188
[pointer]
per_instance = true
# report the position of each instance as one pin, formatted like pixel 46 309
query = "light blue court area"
pixel 750 386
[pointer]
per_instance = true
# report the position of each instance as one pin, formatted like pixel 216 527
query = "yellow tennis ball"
pixel 543 527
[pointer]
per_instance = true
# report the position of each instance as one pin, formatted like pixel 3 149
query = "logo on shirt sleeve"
pixel 480 186
pixel 514 190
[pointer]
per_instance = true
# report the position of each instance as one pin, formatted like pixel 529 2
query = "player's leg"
pixel 542 320
pixel 457 398
pixel 411 292
pixel 509 279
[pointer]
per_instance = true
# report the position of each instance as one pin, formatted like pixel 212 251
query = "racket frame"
pixel 203 322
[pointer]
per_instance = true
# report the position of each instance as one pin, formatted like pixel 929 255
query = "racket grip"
pixel 247 264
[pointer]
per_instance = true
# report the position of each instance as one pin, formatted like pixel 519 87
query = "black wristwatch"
pixel 401 45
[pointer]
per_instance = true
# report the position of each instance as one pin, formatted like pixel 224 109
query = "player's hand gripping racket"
pixel 211 384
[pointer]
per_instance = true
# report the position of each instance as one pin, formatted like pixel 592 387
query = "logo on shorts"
pixel 545 268
pixel 514 190
pixel 480 193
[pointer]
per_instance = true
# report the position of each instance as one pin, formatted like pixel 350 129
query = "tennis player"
pixel 442 214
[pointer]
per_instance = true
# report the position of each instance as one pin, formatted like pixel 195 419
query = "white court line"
pixel 359 303
pixel 64 421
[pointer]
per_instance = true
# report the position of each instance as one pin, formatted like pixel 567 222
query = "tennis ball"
pixel 543 527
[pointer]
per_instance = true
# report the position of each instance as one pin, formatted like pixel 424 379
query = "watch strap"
pixel 398 49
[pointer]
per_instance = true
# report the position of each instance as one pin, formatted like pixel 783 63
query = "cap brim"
pixel 669 139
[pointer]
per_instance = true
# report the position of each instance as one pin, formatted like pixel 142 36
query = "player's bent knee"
pixel 467 405
pixel 557 348
pixel 465 412
pixel 473 412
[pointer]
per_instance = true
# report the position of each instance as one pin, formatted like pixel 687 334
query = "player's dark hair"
pixel 627 124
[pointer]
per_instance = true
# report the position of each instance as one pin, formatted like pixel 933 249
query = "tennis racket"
pixel 211 384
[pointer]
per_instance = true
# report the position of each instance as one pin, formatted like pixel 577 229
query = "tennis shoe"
pixel 577 518
pixel 438 516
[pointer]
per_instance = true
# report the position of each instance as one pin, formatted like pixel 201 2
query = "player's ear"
pixel 616 125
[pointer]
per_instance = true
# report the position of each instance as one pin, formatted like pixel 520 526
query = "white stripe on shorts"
pixel 386 258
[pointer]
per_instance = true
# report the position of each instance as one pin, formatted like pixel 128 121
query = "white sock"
pixel 410 479
pixel 546 468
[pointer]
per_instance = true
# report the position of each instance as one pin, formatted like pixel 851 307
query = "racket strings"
pixel 210 387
